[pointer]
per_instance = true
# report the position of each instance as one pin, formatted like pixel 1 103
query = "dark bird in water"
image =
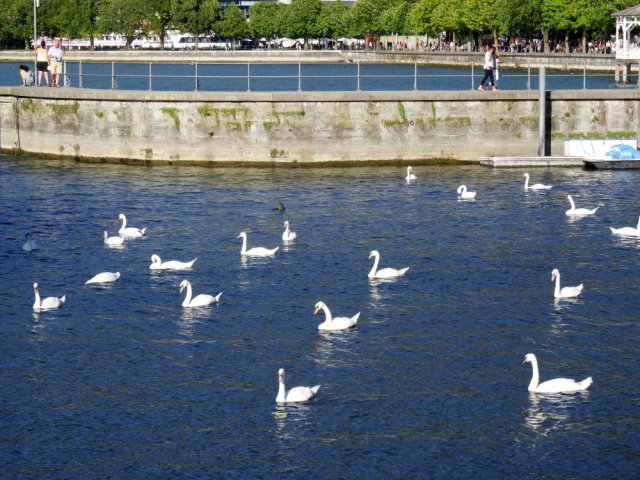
pixel 279 207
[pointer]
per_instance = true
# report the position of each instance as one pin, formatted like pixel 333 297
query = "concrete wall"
pixel 266 128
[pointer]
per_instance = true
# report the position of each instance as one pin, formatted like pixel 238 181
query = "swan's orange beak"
pixel 553 277
pixel 525 361
pixel 316 310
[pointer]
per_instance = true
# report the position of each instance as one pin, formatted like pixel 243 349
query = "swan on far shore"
pixel 255 251
pixel 104 277
pixel 566 292
pixel 113 241
pixel 129 232
pixel 383 272
pixel 48 303
pixel 627 231
pixel 557 385
pixel 30 244
pixel 288 235
pixel 158 264
pixel 296 394
pixel 578 211
pixel 464 195
pixel 334 324
pixel 201 300
pixel 410 175
pixel 535 186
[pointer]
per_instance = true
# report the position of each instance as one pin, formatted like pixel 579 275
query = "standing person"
pixel 56 58
pixel 42 63
pixel 496 73
pixel 488 68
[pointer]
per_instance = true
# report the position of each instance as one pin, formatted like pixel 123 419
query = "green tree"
pixel 332 21
pixel 75 18
pixel 300 19
pixel 17 21
pixel 446 17
pixel 233 24
pixel 395 18
pixel 264 20
pixel 196 16
pixel 160 18
pixel 480 18
pixel 560 16
pixel 122 16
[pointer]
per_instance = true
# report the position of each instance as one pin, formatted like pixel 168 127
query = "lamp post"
pixel 36 4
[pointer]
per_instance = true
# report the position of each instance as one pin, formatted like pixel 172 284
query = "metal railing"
pixel 251 77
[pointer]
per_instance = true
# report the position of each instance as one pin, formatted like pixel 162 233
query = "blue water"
pixel 122 382
pixel 304 77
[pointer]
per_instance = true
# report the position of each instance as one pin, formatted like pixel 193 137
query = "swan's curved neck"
pixel 573 205
pixel 327 313
pixel 638 225
pixel 187 299
pixel 124 223
pixel 281 390
pixel 526 182
pixel 557 290
pixel 38 302
pixel 535 376
pixel 376 260
pixel 244 244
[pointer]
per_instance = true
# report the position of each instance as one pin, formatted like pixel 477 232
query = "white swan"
pixel 288 235
pixel 48 303
pixel 410 175
pixel 30 243
pixel 627 231
pixel 384 272
pixel 201 300
pixel 157 264
pixel 130 232
pixel 536 186
pixel 296 394
pixel 104 277
pixel 113 241
pixel 255 251
pixel 464 195
pixel 333 324
pixel 557 385
pixel 566 292
pixel 579 211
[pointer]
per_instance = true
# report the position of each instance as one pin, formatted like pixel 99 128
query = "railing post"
pixel 542 113
pixel 358 77
pixel 113 75
pixel 584 74
pixel 473 83
pixel 80 74
pixel 150 77
pixel 529 76
pixel 248 77
pixel 415 76
pixel 196 70
pixel 299 77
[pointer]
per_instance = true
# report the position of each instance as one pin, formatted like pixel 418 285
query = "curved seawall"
pixel 303 128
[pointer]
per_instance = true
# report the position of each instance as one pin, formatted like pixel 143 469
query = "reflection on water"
pixel 428 381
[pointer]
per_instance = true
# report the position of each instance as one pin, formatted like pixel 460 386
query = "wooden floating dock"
pixel 506 162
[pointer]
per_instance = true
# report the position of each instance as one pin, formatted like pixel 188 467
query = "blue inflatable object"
pixel 623 152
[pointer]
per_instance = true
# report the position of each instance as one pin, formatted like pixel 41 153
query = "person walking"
pixel 42 63
pixel 496 72
pixel 56 58
pixel 488 68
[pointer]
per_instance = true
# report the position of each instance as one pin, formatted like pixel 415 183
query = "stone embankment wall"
pixel 303 128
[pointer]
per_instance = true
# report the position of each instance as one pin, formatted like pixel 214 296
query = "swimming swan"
pixel 536 186
pixel 296 394
pixel 334 324
pixel 157 264
pixel 288 235
pixel 129 232
pixel 579 211
pixel 410 175
pixel 255 251
pixel 566 292
pixel 48 303
pixel 464 195
pixel 627 231
pixel 201 300
pixel 384 272
pixel 113 241
pixel 557 385
pixel 104 277
pixel 30 243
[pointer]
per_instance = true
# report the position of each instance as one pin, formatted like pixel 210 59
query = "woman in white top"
pixel 42 62
pixel 488 68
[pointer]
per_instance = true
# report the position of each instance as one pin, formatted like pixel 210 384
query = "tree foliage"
pixel 232 25
pixel 300 19
pixel 265 19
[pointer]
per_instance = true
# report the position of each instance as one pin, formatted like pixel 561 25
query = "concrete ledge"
pixel 510 162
